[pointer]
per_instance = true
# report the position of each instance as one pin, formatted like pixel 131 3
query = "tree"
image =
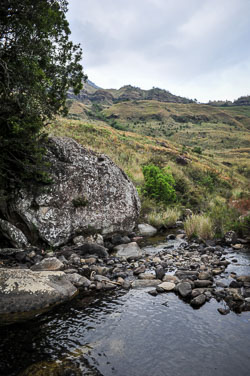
pixel 38 64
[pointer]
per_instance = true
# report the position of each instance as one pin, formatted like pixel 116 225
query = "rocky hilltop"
pixel 93 94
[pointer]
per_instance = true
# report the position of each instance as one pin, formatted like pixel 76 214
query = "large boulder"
pixel 88 193
pixel 24 294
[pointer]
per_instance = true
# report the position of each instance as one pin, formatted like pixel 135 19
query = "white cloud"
pixel 193 48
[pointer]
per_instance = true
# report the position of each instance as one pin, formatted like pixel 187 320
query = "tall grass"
pixel 163 217
pixel 199 226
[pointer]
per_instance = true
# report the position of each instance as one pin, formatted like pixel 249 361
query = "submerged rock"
pixel 89 192
pixel 146 230
pixel 130 250
pixel 24 294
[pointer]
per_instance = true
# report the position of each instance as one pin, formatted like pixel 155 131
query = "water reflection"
pixel 130 334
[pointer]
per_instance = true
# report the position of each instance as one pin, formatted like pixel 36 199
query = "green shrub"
pixel 159 183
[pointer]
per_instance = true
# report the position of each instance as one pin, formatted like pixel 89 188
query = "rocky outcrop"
pixel 88 193
pixel 25 294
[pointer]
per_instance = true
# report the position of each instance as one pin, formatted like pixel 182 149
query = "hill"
pixel 93 94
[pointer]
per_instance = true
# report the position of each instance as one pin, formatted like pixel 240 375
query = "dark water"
pixel 133 334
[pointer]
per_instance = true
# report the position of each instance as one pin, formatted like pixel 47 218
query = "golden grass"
pixel 199 226
pixel 163 217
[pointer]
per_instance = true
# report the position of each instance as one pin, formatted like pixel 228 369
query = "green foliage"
pixel 224 218
pixel 159 183
pixel 197 150
pixel 38 64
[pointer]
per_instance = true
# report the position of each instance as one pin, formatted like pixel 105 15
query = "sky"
pixel 193 48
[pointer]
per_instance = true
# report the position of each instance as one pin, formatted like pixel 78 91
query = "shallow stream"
pixel 131 333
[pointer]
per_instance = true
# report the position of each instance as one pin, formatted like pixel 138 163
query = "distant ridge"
pixel 91 93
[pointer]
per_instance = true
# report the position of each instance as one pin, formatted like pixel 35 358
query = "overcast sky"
pixel 194 48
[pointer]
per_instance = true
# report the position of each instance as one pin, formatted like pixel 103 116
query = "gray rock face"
pixel 146 230
pixel 89 192
pixel 24 293
pixel 131 250
pixel 13 234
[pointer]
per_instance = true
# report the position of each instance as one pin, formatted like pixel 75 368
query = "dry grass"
pixel 199 226
pixel 161 217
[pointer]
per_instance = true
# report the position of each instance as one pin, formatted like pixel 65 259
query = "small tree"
pixel 159 183
pixel 38 64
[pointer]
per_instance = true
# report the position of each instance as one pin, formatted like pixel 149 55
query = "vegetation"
pixel 159 183
pixel 38 64
pixel 199 226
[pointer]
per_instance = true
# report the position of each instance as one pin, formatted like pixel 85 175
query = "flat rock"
pixel 24 293
pixel 204 276
pixel 203 283
pixel 49 263
pixel 145 283
pixel 146 230
pixel 146 276
pixel 170 278
pixel 243 278
pixel 131 250
pixel 167 286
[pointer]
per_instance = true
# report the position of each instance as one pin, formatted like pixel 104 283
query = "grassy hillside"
pixel 214 142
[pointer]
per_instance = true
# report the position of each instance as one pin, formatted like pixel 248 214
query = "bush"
pixel 159 184
pixel 223 217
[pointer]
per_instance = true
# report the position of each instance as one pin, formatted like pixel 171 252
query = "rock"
pixel 140 269
pixel 90 260
pixel 88 192
pixel 205 276
pixel 13 234
pixel 198 300
pixel 184 289
pixel 235 284
pixel 230 237
pixel 91 249
pixel 203 283
pixel 49 263
pixel 243 278
pixel 78 280
pixel 153 292
pixel 171 237
pixel 181 160
pixel 146 230
pixel 78 240
pixel 223 311
pixel 25 294
pixel 146 276
pixel 159 272
pixel 145 283
pixel 167 286
pixel 129 251
pixel 187 213
pixel 170 278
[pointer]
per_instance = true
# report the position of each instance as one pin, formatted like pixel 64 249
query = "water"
pixel 132 334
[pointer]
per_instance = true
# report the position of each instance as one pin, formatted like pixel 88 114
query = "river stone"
pixel 146 276
pixel 167 286
pixel 230 237
pixel 146 230
pixel 24 293
pixel 170 278
pixel 243 278
pixel 145 283
pixel 204 276
pixel 159 272
pixel 184 289
pixel 203 283
pixel 49 263
pixel 130 250
pixel 88 192
pixel 13 234
pixel 78 280
pixel 198 300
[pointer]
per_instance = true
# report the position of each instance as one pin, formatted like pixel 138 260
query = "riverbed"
pixel 131 333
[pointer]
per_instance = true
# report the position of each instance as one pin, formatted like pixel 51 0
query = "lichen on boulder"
pixel 88 193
